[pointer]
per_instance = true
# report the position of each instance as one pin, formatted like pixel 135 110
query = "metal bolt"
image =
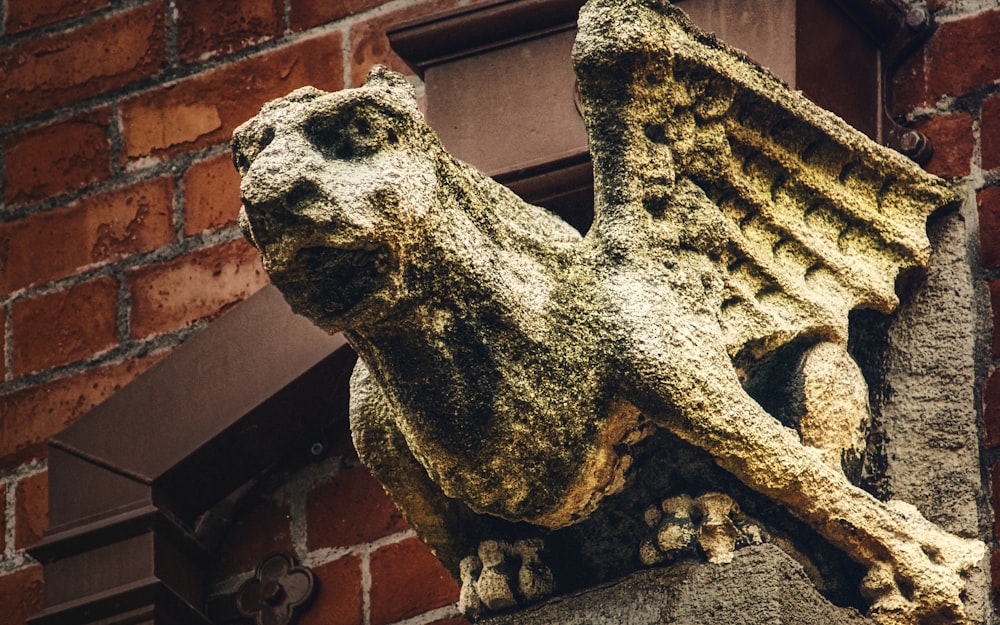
pixel 317 449
pixel 911 142
pixel 271 592
pixel 917 18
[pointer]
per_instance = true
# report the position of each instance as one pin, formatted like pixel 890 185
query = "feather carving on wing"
pixel 697 147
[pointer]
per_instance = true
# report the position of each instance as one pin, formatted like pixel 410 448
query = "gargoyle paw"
pixel 711 524
pixel 923 579
pixel 503 575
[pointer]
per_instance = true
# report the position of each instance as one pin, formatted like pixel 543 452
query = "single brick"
pixel 3 518
pixel 31 515
pixel 101 228
pixel 995 495
pixel 211 195
pixel 989 133
pixel 204 109
pixel 989 226
pixel 22 593
pixel 369 45
pixel 65 326
pixel 27 14
pixel 991 411
pixel 261 527
pixel 953 142
pixel 309 13
pixel 197 286
pixel 994 287
pixel 339 598
pixel 961 57
pixel 49 72
pixel 206 29
pixel 408 580
pixel 31 416
pixel 57 158
pixel 370 515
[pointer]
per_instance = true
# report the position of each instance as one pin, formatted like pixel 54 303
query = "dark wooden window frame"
pixel 130 478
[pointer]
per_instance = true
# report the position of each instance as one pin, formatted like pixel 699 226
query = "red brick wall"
pixel 372 569
pixel 117 241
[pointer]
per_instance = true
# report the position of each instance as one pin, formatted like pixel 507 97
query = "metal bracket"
pixel 275 595
pixel 276 590
pixel 915 25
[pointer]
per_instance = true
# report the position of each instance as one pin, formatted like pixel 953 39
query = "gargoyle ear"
pixel 380 76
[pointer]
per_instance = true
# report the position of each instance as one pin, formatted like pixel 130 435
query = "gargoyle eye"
pixel 248 145
pixel 351 133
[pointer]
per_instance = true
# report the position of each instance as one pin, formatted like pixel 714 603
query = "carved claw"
pixel 711 524
pixel 923 577
pixel 503 576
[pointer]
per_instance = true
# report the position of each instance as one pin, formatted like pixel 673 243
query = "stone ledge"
pixel 761 586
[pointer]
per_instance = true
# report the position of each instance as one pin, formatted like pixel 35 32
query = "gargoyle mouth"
pixel 333 279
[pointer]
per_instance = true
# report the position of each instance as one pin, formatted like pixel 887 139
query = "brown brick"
pixel 206 29
pixel 31 514
pixel 22 594
pixel 211 195
pixel 57 158
pixel 65 326
pixel 309 13
pixel 989 134
pixel 962 56
pixel 27 14
pixel 458 620
pixel 408 580
pixel 349 509
pixel 369 45
pixel 200 285
pixel 994 287
pixel 953 142
pixel 991 411
pixel 104 227
pixel 989 226
pixel 339 599
pixel 205 109
pixel 53 71
pixel 3 518
pixel 31 416
pixel 261 527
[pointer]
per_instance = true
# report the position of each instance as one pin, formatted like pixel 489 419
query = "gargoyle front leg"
pixel 917 571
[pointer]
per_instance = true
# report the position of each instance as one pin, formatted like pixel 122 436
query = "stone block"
pixel 761 586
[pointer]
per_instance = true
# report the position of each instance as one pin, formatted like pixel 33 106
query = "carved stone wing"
pixel 696 147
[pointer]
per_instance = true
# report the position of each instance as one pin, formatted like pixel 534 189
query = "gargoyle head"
pixel 334 186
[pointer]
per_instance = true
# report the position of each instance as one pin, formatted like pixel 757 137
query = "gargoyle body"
pixel 509 365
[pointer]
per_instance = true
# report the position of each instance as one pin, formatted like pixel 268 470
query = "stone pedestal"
pixel 761 586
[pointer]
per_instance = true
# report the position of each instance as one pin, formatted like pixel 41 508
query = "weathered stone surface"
pixel 761 586
pixel 513 370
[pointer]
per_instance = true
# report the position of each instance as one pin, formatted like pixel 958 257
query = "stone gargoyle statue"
pixel 509 364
